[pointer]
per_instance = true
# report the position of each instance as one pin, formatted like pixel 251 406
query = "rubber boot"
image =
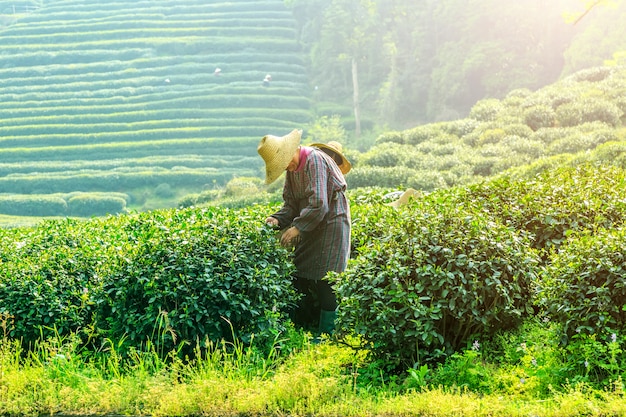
pixel 327 322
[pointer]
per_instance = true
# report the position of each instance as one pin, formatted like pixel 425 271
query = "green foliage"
pixel 87 205
pixel 39 205
pixel 596 358
pixel 486 110
pixel 553 204
pixel 583 283
pixel 164 190
pixel 430 276
pixel 588 110
pixel 464 371
pixel 504 135
pixel 325 129
pixel 51 277
pixel 380 176
pixel 529 358
pixel 80 90
pixel 242 186
pixel 170 278
pixel 540 116
pixel 199 275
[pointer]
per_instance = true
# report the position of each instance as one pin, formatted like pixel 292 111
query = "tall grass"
pixel 293 377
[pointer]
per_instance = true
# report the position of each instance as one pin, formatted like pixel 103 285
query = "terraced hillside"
pixel 123 95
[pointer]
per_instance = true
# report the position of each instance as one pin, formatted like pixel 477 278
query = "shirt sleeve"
pixel 289 210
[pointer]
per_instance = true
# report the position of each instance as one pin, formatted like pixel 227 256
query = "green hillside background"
pixel 113 106
pixel 122 96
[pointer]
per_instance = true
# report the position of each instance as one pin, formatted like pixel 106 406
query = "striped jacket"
pixel 315 203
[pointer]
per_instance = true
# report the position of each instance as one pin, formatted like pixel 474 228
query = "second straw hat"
pixel 334 150
pixel 277 152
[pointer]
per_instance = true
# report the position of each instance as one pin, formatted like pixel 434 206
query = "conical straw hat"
pixel 277 152
pixel 334 150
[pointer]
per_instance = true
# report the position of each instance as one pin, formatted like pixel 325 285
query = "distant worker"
pixel 267 80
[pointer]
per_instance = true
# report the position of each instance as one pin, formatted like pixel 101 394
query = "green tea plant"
pixel 554 204
pixel 204 270
pixel 51 277
pixel 582 285
pixel 430 276
pixel 170 278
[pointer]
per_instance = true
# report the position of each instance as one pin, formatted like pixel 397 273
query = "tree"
pixel 349 37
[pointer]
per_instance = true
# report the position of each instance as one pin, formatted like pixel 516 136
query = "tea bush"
pixel 486 110
pixel 51 277
pixel 163 277
pixel 194 275
pixel 36 205
pixel 460 127
pixel 87 205
pixel 387 155
pixel 588 110
pixel 430 276
pixel 583 285
pixel 555 203
pixel 540 116
pixel 389 177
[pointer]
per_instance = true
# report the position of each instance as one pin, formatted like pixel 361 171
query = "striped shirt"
pixel 315 203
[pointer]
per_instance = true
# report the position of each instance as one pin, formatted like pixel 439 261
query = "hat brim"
pixel 345 166
pixel 277 152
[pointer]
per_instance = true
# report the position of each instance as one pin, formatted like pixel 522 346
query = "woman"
pixel 315 218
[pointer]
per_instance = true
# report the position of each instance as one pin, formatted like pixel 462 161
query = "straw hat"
pixel 277 152
pixel 334 149
pixel 407 196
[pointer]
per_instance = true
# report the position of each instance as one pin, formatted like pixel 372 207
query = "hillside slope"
pixel 122 95
pixel 581 117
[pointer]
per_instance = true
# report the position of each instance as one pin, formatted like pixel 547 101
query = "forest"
pixel 433 60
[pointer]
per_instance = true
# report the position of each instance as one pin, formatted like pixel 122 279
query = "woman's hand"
pixel 272 221
pixel 290 237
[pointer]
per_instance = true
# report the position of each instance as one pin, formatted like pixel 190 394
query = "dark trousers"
pixel 317 295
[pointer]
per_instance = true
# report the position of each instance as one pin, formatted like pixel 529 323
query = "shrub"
pixel 459 128
pixel 588 110
pixel 554 204
pixel 87 205
pixel 491 136
pixel 33 205
pixel 427 181
pixel 164 190
pixel 528 148
pixel 582 286
pixel 591 74
pixel 198 275
pixel 387 155
pixel 51 278
pixel 486 110
pixel 549 135
pixel 573 143
pixel 432 276
pixel 242 186
pixel 390 177
pixel 423 133
pixel 390 137
pixel 540 116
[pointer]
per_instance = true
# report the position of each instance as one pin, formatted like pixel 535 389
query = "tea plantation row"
pixel 119 80
pixel 425 280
